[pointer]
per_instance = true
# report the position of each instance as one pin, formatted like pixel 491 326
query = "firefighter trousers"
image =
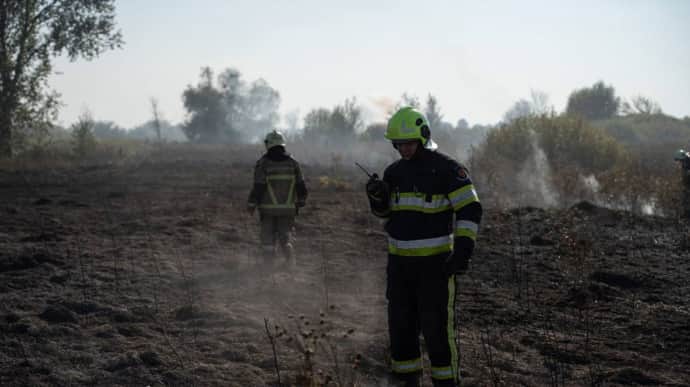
pixel 421 299
pixel 277 233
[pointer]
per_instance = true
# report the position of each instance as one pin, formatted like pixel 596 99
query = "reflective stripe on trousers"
pixel 420 247
pixel 406 366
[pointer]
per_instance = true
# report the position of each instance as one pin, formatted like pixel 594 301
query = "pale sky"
pixel 476 57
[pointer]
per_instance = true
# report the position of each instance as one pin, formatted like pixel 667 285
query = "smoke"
pixel 534 179
pixel 650 208
pixel 642 205
pixel 384 106
pixel 591 183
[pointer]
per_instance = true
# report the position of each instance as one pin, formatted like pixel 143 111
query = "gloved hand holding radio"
pixel 377 189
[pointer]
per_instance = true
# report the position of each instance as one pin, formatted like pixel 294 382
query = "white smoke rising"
pixel 649 208
pixel 591 183
pixel 534 179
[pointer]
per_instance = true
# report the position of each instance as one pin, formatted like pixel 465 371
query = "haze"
pixel 477 58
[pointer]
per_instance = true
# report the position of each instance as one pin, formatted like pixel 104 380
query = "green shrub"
pixel 566 142
pixel 83 139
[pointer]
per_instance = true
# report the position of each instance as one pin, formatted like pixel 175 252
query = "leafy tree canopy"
pixel 594 103
pixel 32 32
pixel 228 109
pixel 337 126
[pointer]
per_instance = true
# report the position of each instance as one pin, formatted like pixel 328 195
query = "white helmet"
pixel 274 138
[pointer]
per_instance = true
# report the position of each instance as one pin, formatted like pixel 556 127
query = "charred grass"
pixel 145 273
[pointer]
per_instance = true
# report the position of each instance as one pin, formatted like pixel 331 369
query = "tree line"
pixel 32 32
pixel 226 108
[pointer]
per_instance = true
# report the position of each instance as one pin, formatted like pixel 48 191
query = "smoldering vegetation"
pixel 141 269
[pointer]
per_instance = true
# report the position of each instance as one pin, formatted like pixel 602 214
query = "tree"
pixel 257 109
pixel 230 112
pixel 519 109
pixel 337 126
pixel 32 32
pixel 206 111
pixel 316 121
pixel 351 114
pixel 155 111
pixel 108 130
pixel 641 105
pixel 595 103
pixel 462 124
pixel 538 105
pixel 433 112
pixel 83 139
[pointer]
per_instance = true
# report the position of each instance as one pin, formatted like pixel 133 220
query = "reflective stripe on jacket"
pixel 278 185
pixel 433 205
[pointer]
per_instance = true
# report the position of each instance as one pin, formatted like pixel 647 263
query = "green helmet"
pixel 274 138
pixel 680 155
pixel 408 124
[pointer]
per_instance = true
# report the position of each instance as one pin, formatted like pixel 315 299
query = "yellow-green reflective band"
pixel 406 366
pixel 451 327
pixel 442 373
pixel 291 191
pixel 463 196
pixel 411 201
pixel 467 229
pixel 420 247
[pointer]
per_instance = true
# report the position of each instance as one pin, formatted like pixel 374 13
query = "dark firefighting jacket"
pixel 433 207
pixel 278 184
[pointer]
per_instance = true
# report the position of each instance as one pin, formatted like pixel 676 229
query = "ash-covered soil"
pixel 146 274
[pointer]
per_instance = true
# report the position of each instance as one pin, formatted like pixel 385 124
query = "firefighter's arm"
pixel 300 187
pixel 378 192
pixel 258 188
pixel 468 214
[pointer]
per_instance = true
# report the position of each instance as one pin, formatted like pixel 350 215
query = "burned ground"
pixel 145 274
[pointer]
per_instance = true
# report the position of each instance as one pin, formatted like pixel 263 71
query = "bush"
pixel 83 139
pixel 543 160
pixel 565 141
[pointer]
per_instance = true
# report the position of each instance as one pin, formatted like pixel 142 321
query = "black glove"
pixel 457 263
pixel 300 203
pixel 377 189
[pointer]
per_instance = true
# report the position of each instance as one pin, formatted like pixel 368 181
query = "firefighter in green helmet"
pixel 683 159
pixel 278 193
pixel 433 216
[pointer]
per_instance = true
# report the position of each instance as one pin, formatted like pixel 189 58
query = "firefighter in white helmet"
pixel 278 193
